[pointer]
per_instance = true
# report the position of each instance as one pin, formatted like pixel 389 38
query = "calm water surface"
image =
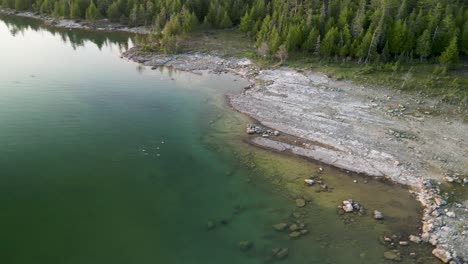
pixel 103 161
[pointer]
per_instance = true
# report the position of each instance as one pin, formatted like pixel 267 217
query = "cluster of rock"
pixel 294 230
pixel 401 134
pixel 457 179
pixel 280 253
pixel 312 180
pixel 395 243
pixel 350 206
pixel 99 25
pixel 444 225
pixel 256 129
pixel 397 111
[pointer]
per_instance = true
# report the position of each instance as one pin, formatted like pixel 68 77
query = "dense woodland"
pixel 364 30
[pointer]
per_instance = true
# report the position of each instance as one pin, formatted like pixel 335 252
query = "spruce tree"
pixel 113 12
pixel 450 54
pixel 329 43
pixel 423 48
pixel 75 10
pixel 92 12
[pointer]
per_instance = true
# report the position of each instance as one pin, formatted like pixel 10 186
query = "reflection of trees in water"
pixel 76 37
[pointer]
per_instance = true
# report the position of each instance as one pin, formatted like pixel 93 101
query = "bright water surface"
pixel 102 161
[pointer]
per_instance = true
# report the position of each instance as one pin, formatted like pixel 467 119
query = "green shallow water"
pixel 103 161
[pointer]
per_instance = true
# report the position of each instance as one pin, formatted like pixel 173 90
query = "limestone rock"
pixel 442 254
pixel 451 214
pixel 415 239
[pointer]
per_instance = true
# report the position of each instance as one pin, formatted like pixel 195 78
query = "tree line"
pixel 364 30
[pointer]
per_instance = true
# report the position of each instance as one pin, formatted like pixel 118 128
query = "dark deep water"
pixel 102 161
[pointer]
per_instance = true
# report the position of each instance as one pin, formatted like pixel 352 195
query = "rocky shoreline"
pixel 99 25
pixel 377 132
pixel 383 136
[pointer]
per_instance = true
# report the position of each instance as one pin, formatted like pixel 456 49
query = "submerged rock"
pixel 378 215
pixel 392 255
pixel 309 182
pixel 403 243
pixel 295 234
pixel 294 227
pixel 350 206
pixel 300 203
pixel 245 245
pixel 210 225
pixel 280 227
pixel 280 253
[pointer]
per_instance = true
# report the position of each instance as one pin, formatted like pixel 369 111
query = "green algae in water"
pixel 106 162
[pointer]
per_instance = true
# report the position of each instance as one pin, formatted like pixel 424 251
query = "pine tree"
pixel 189 21
pixel 329 43
pixel 309 44
pixel 274 41
pixel 75 10
pixel 92 12
pixel 246 23
pixel 22 5
pixel 113 12
pixel 423 48
pixel 294 38
pixel 398 37
pixel 225 21
pixel 450 55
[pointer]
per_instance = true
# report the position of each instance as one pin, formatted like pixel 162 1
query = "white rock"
pixel 348 207
pixel 378 215
pixel 451 214
pixel 309 181
pixel 442 254
pixel 415 239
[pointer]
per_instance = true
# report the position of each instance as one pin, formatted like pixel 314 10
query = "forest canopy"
pixel 365 30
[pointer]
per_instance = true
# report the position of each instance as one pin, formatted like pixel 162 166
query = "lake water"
pixel 103 161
